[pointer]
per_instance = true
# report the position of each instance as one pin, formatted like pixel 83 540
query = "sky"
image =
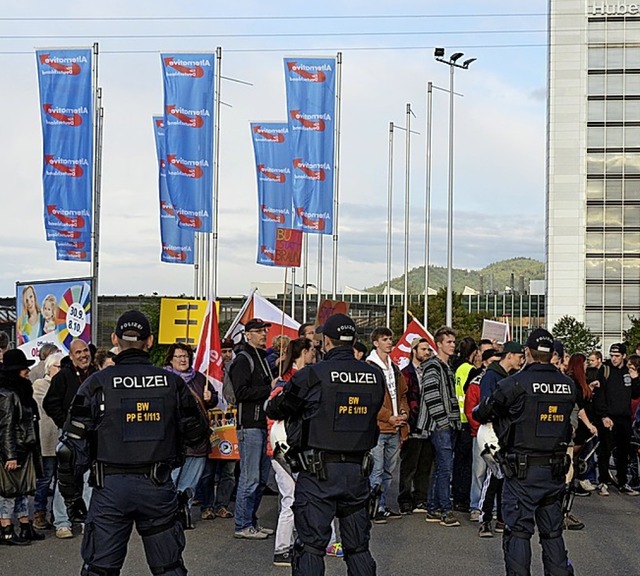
pixel 387 48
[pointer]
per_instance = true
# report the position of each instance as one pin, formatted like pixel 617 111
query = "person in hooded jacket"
pixel 19 445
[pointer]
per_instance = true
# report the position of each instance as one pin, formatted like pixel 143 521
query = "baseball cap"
pixel 418 340
pixel 558 348
pixel 541 340
pixel 339 327
pixel 256 324
pixel 132 326
pixel 512 347
pixel 619 348
pixel 226 344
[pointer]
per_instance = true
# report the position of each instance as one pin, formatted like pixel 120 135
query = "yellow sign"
pixel 181 320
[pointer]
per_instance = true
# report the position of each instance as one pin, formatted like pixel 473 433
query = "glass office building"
pixel 593 165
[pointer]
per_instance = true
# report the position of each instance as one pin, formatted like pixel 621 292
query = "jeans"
pixel 385 459
pixel 254 473
pixel 189 474
pixel 41 497
pixel 216 483
pixel 443 441
pixel 416 461
pixel 462 463
pixel 284 530
pixel 478 473
pixel 60 517
pixel 18 507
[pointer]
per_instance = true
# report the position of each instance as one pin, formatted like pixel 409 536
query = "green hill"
pixel 495 276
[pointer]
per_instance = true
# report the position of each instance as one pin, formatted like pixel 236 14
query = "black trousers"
pixel 462 461
pixel 124 500
pixel 620 438
pixel 534 501
pixel 491 493
pixel 416 461
pixel 344 494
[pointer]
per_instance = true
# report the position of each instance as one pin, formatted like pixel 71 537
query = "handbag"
pixel 18 482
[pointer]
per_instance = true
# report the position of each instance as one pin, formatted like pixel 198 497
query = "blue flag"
pixel 177 243
pixel 66 111
pixel 311 93
pixel 188 121
pixel 273 172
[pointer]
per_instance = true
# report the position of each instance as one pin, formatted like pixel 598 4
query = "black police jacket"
pixel 531 410
pixel 133 414
pixel 332 405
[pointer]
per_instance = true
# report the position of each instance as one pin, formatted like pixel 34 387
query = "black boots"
pixel 28 533
pixel 9 538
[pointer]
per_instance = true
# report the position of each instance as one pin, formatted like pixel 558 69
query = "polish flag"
pixel 256 306
pixel 208 357
pixel 401 352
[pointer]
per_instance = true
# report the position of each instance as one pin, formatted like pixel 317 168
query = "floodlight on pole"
pixel 439 54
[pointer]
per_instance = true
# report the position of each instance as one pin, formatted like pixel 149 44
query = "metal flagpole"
pixel 389 222
pixel 427 207
pixel 320 242
pixel 293 292
pixel 196 266
pixel 336 170
pixel 305 276
pixel 406 217
pixel 97 178
pixel 213 292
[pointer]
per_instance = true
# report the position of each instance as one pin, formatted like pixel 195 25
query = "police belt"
pixel 552 460
pixel 110 469
pixel 352 457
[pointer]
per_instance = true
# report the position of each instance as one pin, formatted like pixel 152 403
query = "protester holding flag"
pixel 179 361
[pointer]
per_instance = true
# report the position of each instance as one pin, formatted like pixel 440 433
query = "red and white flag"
pixel 208 357
pixel 257 306
pixel 401 352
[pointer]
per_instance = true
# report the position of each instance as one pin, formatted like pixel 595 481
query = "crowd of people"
pixel 428 432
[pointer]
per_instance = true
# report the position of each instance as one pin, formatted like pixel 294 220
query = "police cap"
pixel 132 326
pixel 339 327
pixel 540 339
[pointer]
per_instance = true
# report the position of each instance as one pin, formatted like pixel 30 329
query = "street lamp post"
pixel 452 62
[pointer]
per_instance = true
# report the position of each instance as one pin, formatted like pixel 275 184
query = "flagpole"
pixel 293 292
pixel 427 208
pixel 320 243
pixel 305 276
pixel 389 222
pixel 336 169
pixel 284 307
pixel 196 266
pixel 406 215
pixel 216 178
pixel 98 115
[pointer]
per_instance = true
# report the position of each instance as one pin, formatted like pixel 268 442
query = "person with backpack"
pixel 251 379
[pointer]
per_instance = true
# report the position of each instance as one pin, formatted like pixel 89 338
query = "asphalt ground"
pixel 608 546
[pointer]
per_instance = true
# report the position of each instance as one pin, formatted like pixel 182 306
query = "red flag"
pixel 402 350
pixel 208 358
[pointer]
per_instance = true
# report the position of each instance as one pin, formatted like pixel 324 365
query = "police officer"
pixel 129 423
pixel 531 413
pixel 331 409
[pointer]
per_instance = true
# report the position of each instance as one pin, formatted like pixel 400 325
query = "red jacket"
pixel 471 400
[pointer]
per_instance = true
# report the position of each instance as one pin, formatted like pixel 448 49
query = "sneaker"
pixel 626 489
pixel 580 491
pixel 267 531
pixel 64 532
pixel 420 508
pixel 586 485
pixel 499 527
pixel 283 559
pixel 449 520
pixel 379 518
pixel 406 510
pixel 40 521
pixel 391 514
pixel 603 490
pixel 572 523
pixel 335 550
pixel 474 516
pixel 433 516
pixel 207 514
pixel 250 533
pixel 461 508
pixel 224 513
pixel 485 530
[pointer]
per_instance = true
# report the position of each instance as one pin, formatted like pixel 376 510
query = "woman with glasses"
pixel 179 361
pixel 48 441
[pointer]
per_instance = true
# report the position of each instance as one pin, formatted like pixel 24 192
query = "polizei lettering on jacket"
pixel 353 377
pixel 546 388
pixel 145 381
